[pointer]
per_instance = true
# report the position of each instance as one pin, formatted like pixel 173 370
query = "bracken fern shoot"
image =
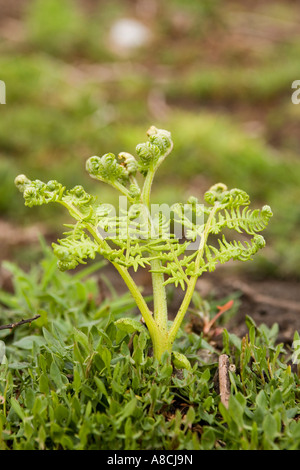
pixel 177 246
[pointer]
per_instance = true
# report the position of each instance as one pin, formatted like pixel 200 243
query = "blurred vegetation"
pixel 217 75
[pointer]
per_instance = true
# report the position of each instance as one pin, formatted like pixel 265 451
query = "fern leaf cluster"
pixel 177 246
pixel 133 239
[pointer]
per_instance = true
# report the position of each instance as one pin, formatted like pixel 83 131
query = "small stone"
pixel 127 34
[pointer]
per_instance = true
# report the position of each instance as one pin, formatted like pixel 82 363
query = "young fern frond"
pixel 227 251
pixel 152 153
pixel 73 250
pixel 247 220
pixel 136 238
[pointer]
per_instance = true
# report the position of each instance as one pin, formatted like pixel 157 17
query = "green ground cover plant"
pixel 73 380
pixel 138 238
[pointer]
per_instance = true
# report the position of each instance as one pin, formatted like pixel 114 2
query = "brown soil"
pixel 269 301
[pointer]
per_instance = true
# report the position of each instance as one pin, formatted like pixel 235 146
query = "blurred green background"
pixel 88 77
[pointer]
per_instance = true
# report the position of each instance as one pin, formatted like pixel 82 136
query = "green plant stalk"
pixel 192 281
pixel 165 339
pixel 122 190
pixel 139 299
pixel 160 340
pixel 132 287
pixel 146 192
pixel 159 297
pixel 158 332
pixel 156 325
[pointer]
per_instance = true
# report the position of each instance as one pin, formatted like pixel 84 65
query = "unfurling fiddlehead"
pixel 135 237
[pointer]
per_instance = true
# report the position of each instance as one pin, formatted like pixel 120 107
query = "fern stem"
pixel 159 290
pixel 122 190
pixel 161 344
pixel 193 279
pixel 159 297
pixel 145 196
pixel 139 299
pixel 133 288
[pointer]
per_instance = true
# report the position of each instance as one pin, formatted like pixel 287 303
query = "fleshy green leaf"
pixel 180 361
pixel 129 325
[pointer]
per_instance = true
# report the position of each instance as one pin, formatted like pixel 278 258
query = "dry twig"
pixel 224 383
pixel 22 322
